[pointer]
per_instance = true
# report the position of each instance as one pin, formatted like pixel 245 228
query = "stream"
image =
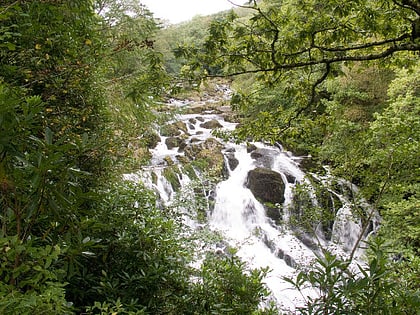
pixel 263 235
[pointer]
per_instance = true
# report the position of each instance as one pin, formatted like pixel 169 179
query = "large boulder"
pixel 266 185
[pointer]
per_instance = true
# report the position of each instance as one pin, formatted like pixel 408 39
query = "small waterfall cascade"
pixel 243 206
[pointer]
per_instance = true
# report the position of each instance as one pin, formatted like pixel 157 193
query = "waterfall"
pixel 262 239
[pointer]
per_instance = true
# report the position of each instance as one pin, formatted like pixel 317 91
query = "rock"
pixel 174 129
pixel 154 178
pixel 211 124
pixel 250 147
pixel 171 174
pixel 168 160
pixel 274 214
pixel 173 142
pixel 269 243
pixel 256 155
pixel 182 159
pixel 266 185
pixel 289 261
pixel 212 143
pixel 280 253
pixel 210 151
pixel 290 178
pixel 192 121
pixel 194 139
pixel 232 161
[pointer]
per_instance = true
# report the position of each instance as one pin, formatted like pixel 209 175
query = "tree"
pixel 308 40
pixel 317 74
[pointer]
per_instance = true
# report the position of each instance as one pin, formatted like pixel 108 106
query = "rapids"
pixel 241 218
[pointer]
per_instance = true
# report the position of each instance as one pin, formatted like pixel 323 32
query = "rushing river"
pixel 242 219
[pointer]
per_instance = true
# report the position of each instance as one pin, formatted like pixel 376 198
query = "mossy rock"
pixel 211 124
pixel 215 160
pixel 174 142
pixel 168 160
pixel 152 138
pixel 172 176
pixel 174 129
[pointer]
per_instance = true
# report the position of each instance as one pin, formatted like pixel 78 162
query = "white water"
pixel 242 219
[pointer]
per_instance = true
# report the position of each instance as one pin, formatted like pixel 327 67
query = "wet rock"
pixel 280 253
pixel 192 121
pixel 306 239
pixel 290 178
pixel 289 261
pixel 172 176
pixel 250 147
pixel 211 124
pixel 154 178
pixel 266 185
pixel 256 155
pixel 173 142
pixel 274 213
pixel 233 162
pixel 269 243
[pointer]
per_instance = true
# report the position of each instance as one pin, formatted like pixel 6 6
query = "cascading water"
pixel 240 217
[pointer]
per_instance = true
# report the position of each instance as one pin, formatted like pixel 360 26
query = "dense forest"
pixel 83 86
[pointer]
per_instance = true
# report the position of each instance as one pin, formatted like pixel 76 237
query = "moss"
pixel 154 178
pixel 189 170
pixel 171 175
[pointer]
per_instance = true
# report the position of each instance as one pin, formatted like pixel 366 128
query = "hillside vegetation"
pixel 81 90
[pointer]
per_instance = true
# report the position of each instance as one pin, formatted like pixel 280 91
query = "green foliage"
pixel 370 289
pixel 340 82
pixel 139 258
pixel 222 288
pixel 30 282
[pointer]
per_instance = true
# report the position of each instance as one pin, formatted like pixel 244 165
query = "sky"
pixel 183 10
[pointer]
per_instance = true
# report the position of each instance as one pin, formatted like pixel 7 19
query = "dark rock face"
pixel 266 185
pixel 290 178
pixel 232 161
pixel 251 147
